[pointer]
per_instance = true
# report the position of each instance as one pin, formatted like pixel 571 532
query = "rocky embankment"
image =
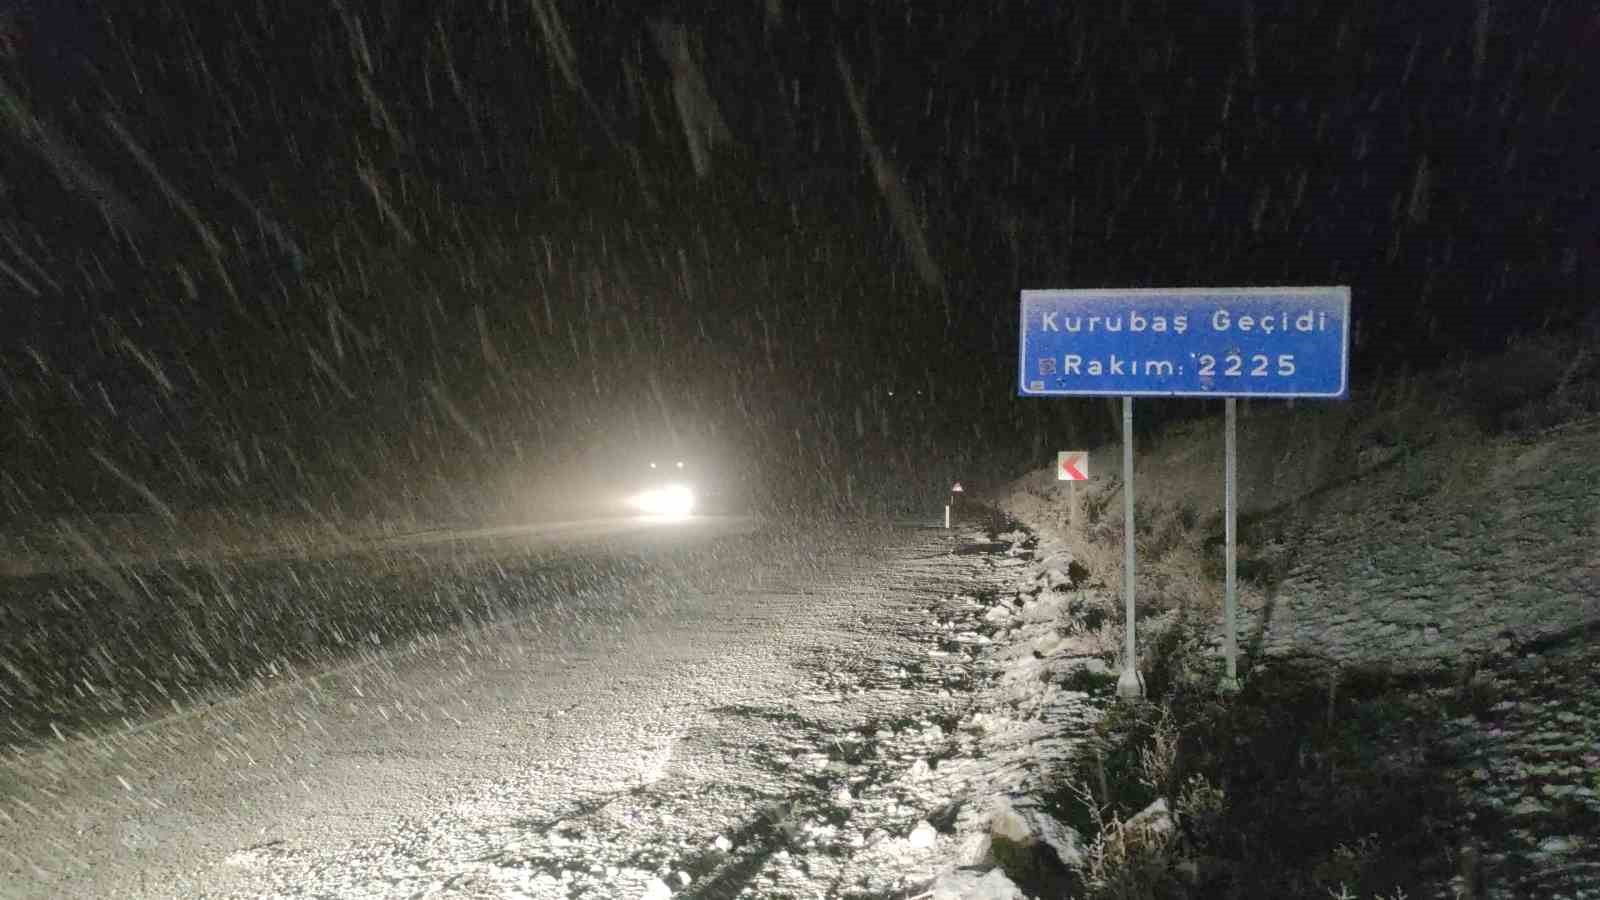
pixel 1463 566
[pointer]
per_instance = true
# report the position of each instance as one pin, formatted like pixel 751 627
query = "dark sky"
pixel 278 244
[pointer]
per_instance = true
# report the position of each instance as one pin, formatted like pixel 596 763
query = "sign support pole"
pixel 1266 342
pixel 1230 596
pixel 1129 686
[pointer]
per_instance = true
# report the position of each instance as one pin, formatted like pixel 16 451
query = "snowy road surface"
pixel 701 710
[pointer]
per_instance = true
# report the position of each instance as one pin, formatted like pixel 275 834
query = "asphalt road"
pixel 315 709
pixel 88 645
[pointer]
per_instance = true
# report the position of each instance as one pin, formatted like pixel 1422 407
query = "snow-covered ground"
pixel 852 715
pixel 865 716
pixel 1530 772
pixel 1472 559
pixel 869 751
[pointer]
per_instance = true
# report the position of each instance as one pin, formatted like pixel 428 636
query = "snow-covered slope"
pixel 1398 538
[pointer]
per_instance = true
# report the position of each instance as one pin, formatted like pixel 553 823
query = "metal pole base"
pixel 1130 686
pixel 1228 685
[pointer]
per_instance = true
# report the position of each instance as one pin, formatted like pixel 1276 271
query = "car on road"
pixel 666 486
pixel 665 477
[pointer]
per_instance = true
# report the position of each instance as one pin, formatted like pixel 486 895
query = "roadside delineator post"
pixel 1072 466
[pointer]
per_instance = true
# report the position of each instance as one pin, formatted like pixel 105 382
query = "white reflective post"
pixel 1129 686
pixel 1230 594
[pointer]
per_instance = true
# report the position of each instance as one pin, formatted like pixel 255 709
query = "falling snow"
pixel 333 340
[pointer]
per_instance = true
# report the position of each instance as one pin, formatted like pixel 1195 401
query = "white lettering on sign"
pixel 1304 323
pixel 1222 320
pixel 1256 365
pixel 1073 364
pixel 1185 342
pixel 1134 322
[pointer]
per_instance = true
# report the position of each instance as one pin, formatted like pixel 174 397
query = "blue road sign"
pixel 1186 342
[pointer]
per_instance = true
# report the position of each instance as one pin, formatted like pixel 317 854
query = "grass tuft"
pixel 1301 785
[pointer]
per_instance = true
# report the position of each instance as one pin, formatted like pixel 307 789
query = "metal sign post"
pixel 1129 685
pixel 1230 595
pixel 1284 342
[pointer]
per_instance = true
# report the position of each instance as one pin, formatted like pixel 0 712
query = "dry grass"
pixel 1130 857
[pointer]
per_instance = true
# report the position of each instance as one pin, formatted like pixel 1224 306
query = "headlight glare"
pixel 673 500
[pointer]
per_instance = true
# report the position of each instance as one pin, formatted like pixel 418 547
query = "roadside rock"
pixel 1008 822
pixel 1048 608
pixel 975 850
pixel 1155 818
pixel 1026 827
pixel 1051 579
pixel 962 885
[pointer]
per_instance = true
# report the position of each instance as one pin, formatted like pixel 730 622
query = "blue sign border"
pixel 1333 300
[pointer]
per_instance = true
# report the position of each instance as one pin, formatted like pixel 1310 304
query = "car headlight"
pixel 673 500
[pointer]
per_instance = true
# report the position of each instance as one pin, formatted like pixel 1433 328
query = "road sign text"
pixel 1267 342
